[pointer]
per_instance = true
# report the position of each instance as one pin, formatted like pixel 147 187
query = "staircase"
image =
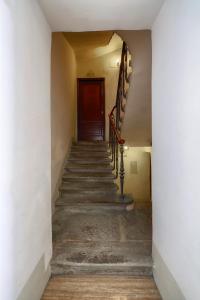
pixel 88 178
pixel 93 230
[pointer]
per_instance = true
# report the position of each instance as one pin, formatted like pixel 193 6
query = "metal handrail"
pixel 116 142
pixel 114 128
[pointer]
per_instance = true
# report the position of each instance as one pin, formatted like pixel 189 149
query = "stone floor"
pixel 102 242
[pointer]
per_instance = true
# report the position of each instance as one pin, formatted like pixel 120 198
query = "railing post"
pixel 122 170
pixel 109 143
pixel 117 160
pixel 112 145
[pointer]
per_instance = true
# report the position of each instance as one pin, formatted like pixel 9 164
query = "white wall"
pixel 7 99
pixel 63 105
pixel 25 40
pixel 176 142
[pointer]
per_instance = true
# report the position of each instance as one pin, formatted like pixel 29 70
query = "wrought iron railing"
pixel 116 116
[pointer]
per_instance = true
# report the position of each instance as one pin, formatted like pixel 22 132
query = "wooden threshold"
pixel 101 288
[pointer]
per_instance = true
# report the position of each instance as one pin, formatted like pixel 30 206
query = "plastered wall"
pixel 63 105
pixel 175 156
pixel 137 181
pixel 25 200
pixel 137 122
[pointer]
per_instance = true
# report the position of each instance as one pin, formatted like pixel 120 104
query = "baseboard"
pixel 165 281
pixel 59 181
pixel 36 283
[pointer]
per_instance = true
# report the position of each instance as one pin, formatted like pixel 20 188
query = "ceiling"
pixel 92 15
pixel 88 39
pixel 94 43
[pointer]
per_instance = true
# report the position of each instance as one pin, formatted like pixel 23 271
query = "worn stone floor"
pixel 102 241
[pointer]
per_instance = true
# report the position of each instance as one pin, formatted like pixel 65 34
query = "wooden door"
pixel 91 109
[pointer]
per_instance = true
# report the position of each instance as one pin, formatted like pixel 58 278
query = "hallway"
pixel 151 120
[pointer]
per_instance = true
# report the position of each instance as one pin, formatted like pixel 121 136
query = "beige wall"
pixel 103 66
pixel 137 123
pixel 63 99
pixel 137 173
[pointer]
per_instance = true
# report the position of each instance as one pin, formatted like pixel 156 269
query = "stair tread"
pixel 104 257
pixel 80 187
pixel 90 143
pixel 77 167
pixel 114 252
pixel 98 198
pixel 89 149
pixel 88 175
pixel 90 184
pixel 89 160
pixel 95 155
pixel 91 200
pixel 95 166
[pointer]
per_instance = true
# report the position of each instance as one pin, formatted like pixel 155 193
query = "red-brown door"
pixel 91 109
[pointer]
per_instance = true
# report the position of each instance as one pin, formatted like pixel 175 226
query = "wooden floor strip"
pixel 101 288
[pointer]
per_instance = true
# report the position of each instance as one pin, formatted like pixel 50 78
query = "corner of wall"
pixel 37 282
pixel 164 279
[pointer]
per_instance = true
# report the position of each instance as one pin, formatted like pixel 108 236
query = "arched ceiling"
pixel 93 15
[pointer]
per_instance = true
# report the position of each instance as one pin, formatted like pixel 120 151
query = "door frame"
pixel 82 79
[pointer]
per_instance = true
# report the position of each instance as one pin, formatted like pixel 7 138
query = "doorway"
pixel 91 109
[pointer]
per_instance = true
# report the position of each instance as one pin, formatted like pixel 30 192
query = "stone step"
pixel 88 187
pixel 96 143
pixel 79 185
pixel 85 203
pixel 77 153
pixel 91 176
pixel 73 167
pixel 79 198
pixel 106 257
pixel 98 155
pixel 94 207
pixel 89 160
pixel 89 148
pixel 88 192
